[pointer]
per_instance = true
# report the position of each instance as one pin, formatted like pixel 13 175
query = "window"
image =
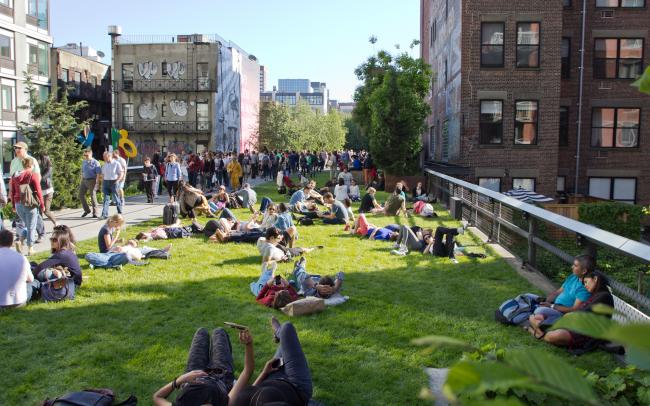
pixel 202 116
pixel 565 51
pixel 564 126
pixel 6 3
pixel 127 112
pixel 39 59
pixel 615 127
pixel 526 122
pixel 491 122
pixel 7 97
pixel 524 183
pixel 43 92
pixel 5 47
pixel 64 75
pixel 618 58
pixel 446 73
pixel 620 3
pixel 432 142
pixel 127 76
pixel 163 110
pixel 528 45
pixel 493 184
pixel 492 44
pixel 432 33
pixel 560 184
pixel 37 9
pixel 8 141
pixel 77 77
pixel 566 3
pixel 164 68
pixel 620 189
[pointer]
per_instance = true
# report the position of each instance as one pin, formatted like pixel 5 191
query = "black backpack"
pixel 306 221
pixel 90 397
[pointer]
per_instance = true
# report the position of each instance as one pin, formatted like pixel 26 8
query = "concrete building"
pixel 294 86
pixel 24 47
pixel 86 80
pixel 81 50
pixel 291 91
pixel 505 95
pixel 264 75
pixel 346 107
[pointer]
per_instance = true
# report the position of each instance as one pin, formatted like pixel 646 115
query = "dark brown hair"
pixel 281 299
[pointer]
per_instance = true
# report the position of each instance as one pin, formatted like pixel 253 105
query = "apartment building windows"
pixel 432 33
pixel 492 44
pixel 526 122
pixel 566 3
pixel 64 75
pixel 202 116
pixel 37 13
pixel 8 141
pixel 494 184
pixel 565 52
pixel 77 83
pixel 524 183
pixel 564 126
pixel 8 95
pixel 127 75
pixel 491 122
pixel 5 47
pixel 528 45
pixel 38 58
pixel 615 127
pixel 127 113
pixel 620 3
pixel 618 58
pixel 620 189
pixel 560 184
pixel 6 3
pixel 202 74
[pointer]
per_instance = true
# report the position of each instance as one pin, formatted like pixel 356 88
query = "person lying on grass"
pixel 229 232
pixel 363 228
pixel 337 214
pixel 597 285
pixel 570 296
pixel 443 244
pixel 273 247
pixel 315 285
pixel 285 379
pixel 176 230
pixel 209 374
pixel 135 253
pixel 277 293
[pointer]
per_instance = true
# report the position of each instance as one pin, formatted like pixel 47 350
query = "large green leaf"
pixel 643 83
pixel 585 323
pixel 553 374
pixel 475 378
pixel 442 341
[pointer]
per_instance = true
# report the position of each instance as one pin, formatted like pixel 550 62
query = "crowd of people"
pixel 212 185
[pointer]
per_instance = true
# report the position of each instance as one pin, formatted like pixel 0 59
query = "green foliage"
pixel 354 138
pixel 52 131
pixel 299 128
pixel 391 109
pixel 643 83
pixel 618 218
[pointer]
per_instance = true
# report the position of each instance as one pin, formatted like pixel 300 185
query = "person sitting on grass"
pixel 597 285
pixel 285 379
pixel 570 296
pixel 16 278
pixel 277 293
pixel 348 206
pixel 315 285
pixel 299 204
pixel 337 214
pixel 420 193
pixel 284 223
pixel 247 196
pixel 396 203
pixel 109 234
pixel 353 191
pixel 219 200
pixel 176 230
pixel 314 195
pixel 209 374
pixel 62 247
pixel 192 199
pixel 341 191
pixel 369 203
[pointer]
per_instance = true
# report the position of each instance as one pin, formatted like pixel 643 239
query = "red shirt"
pixel 24 177
pixel 267 294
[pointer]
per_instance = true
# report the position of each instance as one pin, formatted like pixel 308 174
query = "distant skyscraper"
pixel 294 86
pixel 264 74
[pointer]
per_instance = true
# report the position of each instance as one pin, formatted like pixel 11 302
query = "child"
pixel 109 233
pixel 353 192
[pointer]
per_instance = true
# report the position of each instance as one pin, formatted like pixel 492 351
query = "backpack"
pixel 27 197
pixel 90 397
pixel 306 221
pixel 171 212
pixel 282 190
pixel 159 254
pixel 516 311
pixel 59 288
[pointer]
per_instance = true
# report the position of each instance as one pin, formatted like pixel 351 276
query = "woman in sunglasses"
pixel 63 254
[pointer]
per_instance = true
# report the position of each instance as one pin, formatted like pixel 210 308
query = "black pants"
pixel 213 353
pixel 446 248
pixel 172 187
pixel 248 236
pixel 295 369
pixel 148 188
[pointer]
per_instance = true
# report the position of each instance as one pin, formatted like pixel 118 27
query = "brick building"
pixel 505 95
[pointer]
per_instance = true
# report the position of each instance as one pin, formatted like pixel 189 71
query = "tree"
pixel 354 138
pixel 391 110
pixel 53 130
pixel 275 128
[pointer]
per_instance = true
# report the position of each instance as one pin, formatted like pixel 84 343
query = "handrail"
pixel 596 235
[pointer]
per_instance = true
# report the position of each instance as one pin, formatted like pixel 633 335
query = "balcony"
pixel 169 85
pixel 178 127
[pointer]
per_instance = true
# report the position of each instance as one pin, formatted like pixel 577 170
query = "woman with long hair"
pixel 47 187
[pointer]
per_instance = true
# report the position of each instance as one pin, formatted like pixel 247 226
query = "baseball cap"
pixel 21 144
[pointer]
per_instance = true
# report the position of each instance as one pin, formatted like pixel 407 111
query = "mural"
pixel 250 100
pixel 229 101
pixel 148 111
pixel 175 69
pixel 147 69
pixel 178 107
pixel 148 147
pixel 178 147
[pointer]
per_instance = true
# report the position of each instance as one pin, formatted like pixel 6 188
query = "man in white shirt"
pixel 15 274
pixel 112 173
pixel 346 176
pixel 122 179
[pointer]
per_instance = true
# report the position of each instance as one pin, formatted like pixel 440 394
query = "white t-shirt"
pixel 14 272
pixel 269 250
pixel 346 176
pixel 354 191
pixel 340 192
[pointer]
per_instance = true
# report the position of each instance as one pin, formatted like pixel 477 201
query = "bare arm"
pixel 566 309
pixel 160 397
pixel 245 338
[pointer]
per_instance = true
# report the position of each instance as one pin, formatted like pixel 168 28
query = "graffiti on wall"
pixel 228 106
pixel 178 107
pixel 175 69
pixel 147 69
pixel 148 111
pixel 178 147
pixel 148 147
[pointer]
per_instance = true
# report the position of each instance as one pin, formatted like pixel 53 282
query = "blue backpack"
pixel 516 311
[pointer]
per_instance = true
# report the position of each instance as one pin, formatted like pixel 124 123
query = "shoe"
pixel 103 217
pixel 461 230
pixel 301 262
pixel 30 251
pixel 95 216
pixel 85 214
pixel 91 266
pixel 398 253
pixel 454 260
pixel 396 246
pixel 275 325
pixel 39 239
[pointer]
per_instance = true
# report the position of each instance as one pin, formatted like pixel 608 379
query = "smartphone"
pixel 278 280
pixel 278 363
pixel 235 325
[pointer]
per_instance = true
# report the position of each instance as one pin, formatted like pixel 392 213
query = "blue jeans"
pixel 106 260
pixel 295 369
pixel 265 203
pixel 28 216
pixel 110 188
pixel 550 315
pixel 267 273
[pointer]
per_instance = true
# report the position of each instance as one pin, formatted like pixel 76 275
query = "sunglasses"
pixel 18 147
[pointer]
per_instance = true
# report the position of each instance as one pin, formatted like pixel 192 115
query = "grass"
pixel 130 330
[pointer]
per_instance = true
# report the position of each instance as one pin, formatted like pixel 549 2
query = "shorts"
pixel 119 185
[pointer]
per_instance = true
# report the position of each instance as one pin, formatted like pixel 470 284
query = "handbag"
pixel 27 197
pixel 60 288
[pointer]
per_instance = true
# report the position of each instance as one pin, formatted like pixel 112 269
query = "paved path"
pixel 136 210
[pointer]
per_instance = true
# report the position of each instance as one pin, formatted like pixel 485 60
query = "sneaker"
pixel 95 216
pixel 396 246
pixel 301 262
pixel 85 214
pixel 91 266
pixel 102 217
pixel 454 260
pixel 461 230
pixel 275 326
pixel 398 253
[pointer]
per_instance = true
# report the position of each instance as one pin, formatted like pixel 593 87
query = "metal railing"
pixel 168 85
pixel 495 214
pixel 179 127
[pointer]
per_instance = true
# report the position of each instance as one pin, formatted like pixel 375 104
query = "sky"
pixel 322 41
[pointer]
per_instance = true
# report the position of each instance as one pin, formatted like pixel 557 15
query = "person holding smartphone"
pixel 209 375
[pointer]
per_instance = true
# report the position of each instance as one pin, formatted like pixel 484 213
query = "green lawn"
pixel 130 330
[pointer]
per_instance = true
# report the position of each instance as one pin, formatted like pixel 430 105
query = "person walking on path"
pixel 90 171
pixel 47 187
pixel 27 198
pixel 120 182
pixel 149 173
pixel 112 173
pixel 235 171
pixel 20 152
